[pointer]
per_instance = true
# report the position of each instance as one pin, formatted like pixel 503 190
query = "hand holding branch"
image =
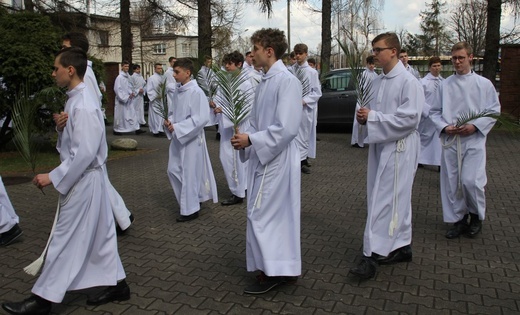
pixel 362 115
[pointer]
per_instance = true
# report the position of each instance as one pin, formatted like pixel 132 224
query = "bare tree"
pixel 469 25
pixel 359 20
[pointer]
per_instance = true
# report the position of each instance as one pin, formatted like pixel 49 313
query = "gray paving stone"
pixel 199 267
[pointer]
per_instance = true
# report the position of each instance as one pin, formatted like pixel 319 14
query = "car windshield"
pixel 338 81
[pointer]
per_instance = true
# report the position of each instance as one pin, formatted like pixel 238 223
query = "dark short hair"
pixel 75 57
pixel 234 57
pixel 171 58
pixel 125 62
pixel 433 60
pixel 77 39
pixel 403 51
pixel 311 60
pixel 207 57
pixel 301 48
pixel 370 60
pixel 271 37
pixel 157 64
pixel 184 63
pixel 292 55
pixel 136 66
pixel 390 38
pixel 248 53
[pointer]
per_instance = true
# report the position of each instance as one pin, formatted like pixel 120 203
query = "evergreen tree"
pixel 433 28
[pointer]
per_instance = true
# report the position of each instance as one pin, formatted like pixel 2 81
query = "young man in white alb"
pixel 306 138
pixel 430 143
pixel 273 190
pixel 138 83
pixel 463 159
pixel 234 168
pixel 391 119
pixel 82 252
pixel 189 166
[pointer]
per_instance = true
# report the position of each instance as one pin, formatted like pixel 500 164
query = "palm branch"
pixel 234 102
pixel 362 83
pixel 24 111
pixel 208 82
pixel 161 108
pixel 304 79
pixel 502 119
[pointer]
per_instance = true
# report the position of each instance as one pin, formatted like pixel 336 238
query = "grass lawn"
pixel 11 163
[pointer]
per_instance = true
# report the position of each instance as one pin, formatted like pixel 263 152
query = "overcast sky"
pixel 306 25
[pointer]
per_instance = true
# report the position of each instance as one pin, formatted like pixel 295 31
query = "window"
pixel 159 49
pixel 103 38
pixel 185 50
pixel 339 81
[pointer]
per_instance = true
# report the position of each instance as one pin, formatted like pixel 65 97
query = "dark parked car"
pixel 337 104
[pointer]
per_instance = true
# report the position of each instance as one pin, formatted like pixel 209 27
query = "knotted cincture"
pixel 447 144
pixel 258 199
pixel 400 147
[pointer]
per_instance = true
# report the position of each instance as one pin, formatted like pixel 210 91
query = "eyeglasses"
pixel 459 58
pixel 377 50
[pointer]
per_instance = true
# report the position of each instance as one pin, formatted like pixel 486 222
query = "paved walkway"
pixel 199 267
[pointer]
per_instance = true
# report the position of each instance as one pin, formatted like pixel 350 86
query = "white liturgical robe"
pixel 119 209
pixel 189 166
pixel 138 83
pixel 153 90
pixel 125 116
pixel 430 143
pixel 309 110
pixel 395 112
pixel 273 190
pixel 83 249
pixel 8 217
pixel 463 159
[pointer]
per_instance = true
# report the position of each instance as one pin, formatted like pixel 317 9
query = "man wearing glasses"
pixel 463 159
pixel 391 121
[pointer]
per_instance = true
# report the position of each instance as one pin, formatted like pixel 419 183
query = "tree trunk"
pixel 326 36
pixel 205 31
pixel 28 5
pixel 494 11
pixel 126 31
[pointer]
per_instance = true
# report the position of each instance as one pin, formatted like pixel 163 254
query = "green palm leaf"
pixel 161 109
pixel 304 80
pixel 503 120
pixel 24 111
pixel 235 103
pixel 362 84
pixel 208 82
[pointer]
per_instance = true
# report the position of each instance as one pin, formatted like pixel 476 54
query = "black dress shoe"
pixel 458 228
pixel 116 133
pixel 119 292
pixel 139 131
pixel 475 226
pixel 366 268
pixel 355 145
pixel 403 254
pixel 232 201
pixel 33 305
pixel 186 218
pixel 10 236
pixel 265 283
